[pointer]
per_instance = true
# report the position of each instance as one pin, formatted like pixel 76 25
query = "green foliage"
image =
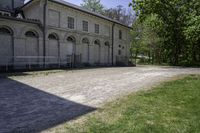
pixel 146 41
pixel 177 23
pixel 93 5
pixel 119 13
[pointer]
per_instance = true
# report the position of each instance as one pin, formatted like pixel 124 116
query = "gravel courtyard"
pixel 35 102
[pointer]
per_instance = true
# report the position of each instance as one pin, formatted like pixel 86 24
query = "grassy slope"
pixel 173 107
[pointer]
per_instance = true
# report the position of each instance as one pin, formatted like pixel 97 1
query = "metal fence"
pixel 32 62
pixel 121 60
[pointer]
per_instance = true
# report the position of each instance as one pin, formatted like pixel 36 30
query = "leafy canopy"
pixel 93 5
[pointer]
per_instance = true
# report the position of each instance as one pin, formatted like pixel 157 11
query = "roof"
pixel 70 5
pixel 32 21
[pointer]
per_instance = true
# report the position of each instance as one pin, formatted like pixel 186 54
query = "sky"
pixel 106 3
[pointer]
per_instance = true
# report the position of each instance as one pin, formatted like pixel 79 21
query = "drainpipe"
pixel 44 32
pixel 113 26
pixel 13 6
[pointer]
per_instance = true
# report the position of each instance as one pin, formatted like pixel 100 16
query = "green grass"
pixel 172 107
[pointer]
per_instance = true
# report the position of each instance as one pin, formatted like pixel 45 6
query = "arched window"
pixel 71 39
pixel 97 42
pixel 5 31
pixel 107 44
pixel 53 36
pixel 31 34
pixel 85 40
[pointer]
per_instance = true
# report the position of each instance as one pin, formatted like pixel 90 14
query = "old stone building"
pixel 55 33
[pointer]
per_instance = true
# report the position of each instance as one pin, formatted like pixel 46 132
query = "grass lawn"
pixel 172 107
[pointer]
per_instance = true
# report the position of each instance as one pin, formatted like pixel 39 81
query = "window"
pixel 71 39
pixel 107 44
pixel 85 26
pixel 96 27
pixel 120 34
pixel 30 34
pixel 53 36
pixel 85 40
pixel 5 31
pixel 70 23
pixel 54 18
pixel 97 42
pixel 119 52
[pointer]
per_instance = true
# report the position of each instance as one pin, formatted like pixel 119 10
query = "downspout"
pixel 113 26
pixel 44 32
pixel 13 8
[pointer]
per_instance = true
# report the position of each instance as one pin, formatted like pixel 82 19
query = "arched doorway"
pixel 32 47
pixel 53 49
pixel 71 41
pixel 85 50
pixel 6 46
pixel 107 53
pixel 97 52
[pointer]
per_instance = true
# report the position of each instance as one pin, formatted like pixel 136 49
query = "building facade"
pixel 54 33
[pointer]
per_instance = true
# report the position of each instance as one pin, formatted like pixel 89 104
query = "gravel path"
pixel 34 103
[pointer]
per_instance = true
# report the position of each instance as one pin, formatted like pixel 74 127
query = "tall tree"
pixel 121 14
pixel 145 40
pixel 172 15
pixel 192 31
pixel 93 5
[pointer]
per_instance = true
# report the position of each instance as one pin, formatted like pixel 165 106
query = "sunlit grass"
pixel 173 107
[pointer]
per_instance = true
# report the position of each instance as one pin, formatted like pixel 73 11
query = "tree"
pixel 179 18
pixel 145 40
pixel 192 31
pixel 93 5
pixel 121 14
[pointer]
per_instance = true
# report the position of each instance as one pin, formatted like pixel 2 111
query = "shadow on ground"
pixel 24 109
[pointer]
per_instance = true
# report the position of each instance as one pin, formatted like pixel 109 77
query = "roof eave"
pixel 88 12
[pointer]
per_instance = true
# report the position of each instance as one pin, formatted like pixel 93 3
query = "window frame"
pixel 85 41
pixel 96 28
pixel 6 31
pixel 32 34
pixel 53 36
pixel 85 26
pixel 70 22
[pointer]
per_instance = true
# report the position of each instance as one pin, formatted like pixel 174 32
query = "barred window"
pixel 96 27
pixel 85 26
pixel 70 22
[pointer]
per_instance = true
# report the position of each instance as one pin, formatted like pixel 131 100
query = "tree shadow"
pixel 24 109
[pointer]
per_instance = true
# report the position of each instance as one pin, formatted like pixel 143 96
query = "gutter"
pixel 44 32
pixel 32 21
pixel 113 26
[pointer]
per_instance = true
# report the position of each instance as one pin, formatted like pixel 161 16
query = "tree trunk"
pixel 136 53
